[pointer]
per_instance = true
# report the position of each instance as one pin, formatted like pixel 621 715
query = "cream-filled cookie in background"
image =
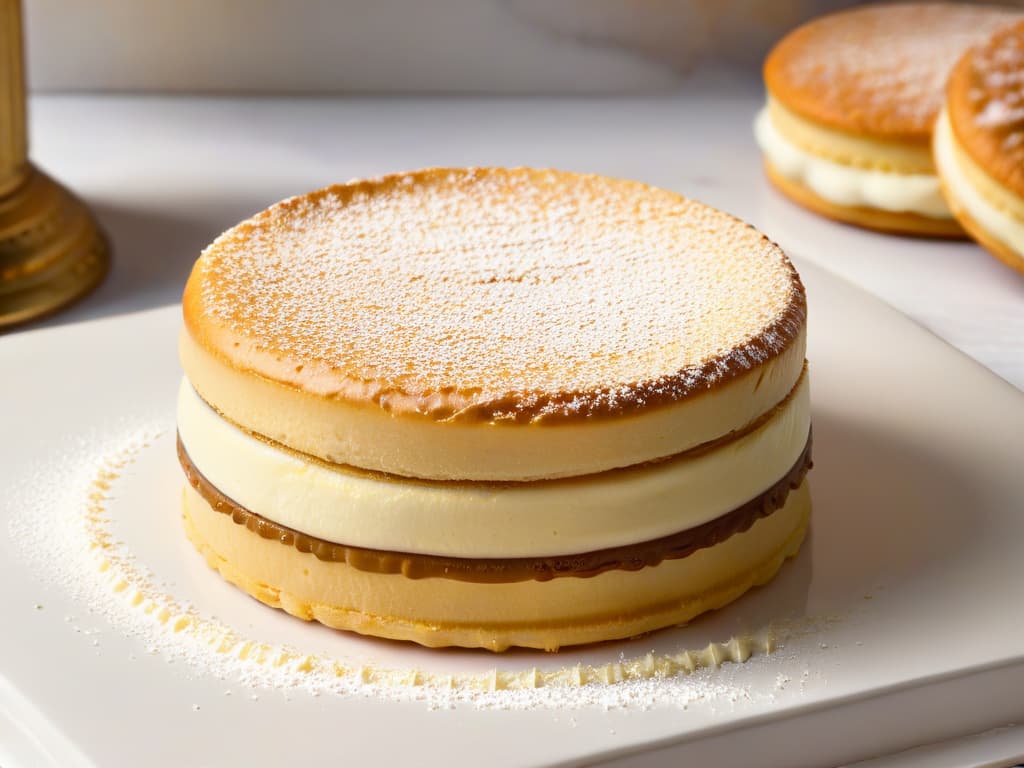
pixel 852 99
pixel 979 144
pixel 495 408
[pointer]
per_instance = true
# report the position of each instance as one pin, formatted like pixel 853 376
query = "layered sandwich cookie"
pixel 852 98
pixel 979 145
pixel 494 408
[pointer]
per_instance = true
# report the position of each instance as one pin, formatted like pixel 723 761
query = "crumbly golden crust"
pixel 877 71
pixel 985 103
pixel 516 296
pixel 869 218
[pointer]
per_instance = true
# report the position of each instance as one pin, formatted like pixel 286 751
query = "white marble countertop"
pixel 166 174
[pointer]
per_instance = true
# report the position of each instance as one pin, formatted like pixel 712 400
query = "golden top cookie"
pixel 986 106
pixel 504 295
pixel 877 71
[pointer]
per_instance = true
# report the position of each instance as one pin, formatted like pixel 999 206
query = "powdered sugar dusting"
pixel 884 68
pixel 514 294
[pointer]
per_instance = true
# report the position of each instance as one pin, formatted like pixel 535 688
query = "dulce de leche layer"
pixel 631 557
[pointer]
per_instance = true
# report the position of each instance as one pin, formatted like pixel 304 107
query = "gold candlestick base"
pixel 51 250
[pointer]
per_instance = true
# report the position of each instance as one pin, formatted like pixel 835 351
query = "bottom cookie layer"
pixel 869 218
pixel 440 612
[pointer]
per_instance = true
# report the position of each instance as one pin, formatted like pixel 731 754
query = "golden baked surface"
pixel 508 295
pixel 880 70
pixel 986 106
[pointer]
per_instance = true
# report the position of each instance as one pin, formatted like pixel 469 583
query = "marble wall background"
pixel 398 46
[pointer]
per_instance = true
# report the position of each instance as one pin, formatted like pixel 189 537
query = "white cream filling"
pixel 1003 226
pixel 845 185
pixel 533 519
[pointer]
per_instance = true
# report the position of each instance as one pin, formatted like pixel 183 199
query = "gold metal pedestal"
pixel 51 250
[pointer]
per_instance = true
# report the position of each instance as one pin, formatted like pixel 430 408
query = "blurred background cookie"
pixel 979 145
pixel 852 98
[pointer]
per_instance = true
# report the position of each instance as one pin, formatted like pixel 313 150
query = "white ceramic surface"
pixel 912 571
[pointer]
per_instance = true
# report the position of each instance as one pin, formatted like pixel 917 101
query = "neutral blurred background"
pixel 398 46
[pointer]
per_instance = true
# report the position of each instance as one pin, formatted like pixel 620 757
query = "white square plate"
pixel 904 609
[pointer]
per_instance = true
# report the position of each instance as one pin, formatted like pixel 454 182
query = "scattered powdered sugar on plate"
pixel 66 530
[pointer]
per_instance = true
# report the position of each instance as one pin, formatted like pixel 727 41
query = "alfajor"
pixel 852 98
pixel 979 144
pixel 493 408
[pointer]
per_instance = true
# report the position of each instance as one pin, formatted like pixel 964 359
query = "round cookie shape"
pixel 986 106
pixel 436 324
pixel 877 71
pixel 494 408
